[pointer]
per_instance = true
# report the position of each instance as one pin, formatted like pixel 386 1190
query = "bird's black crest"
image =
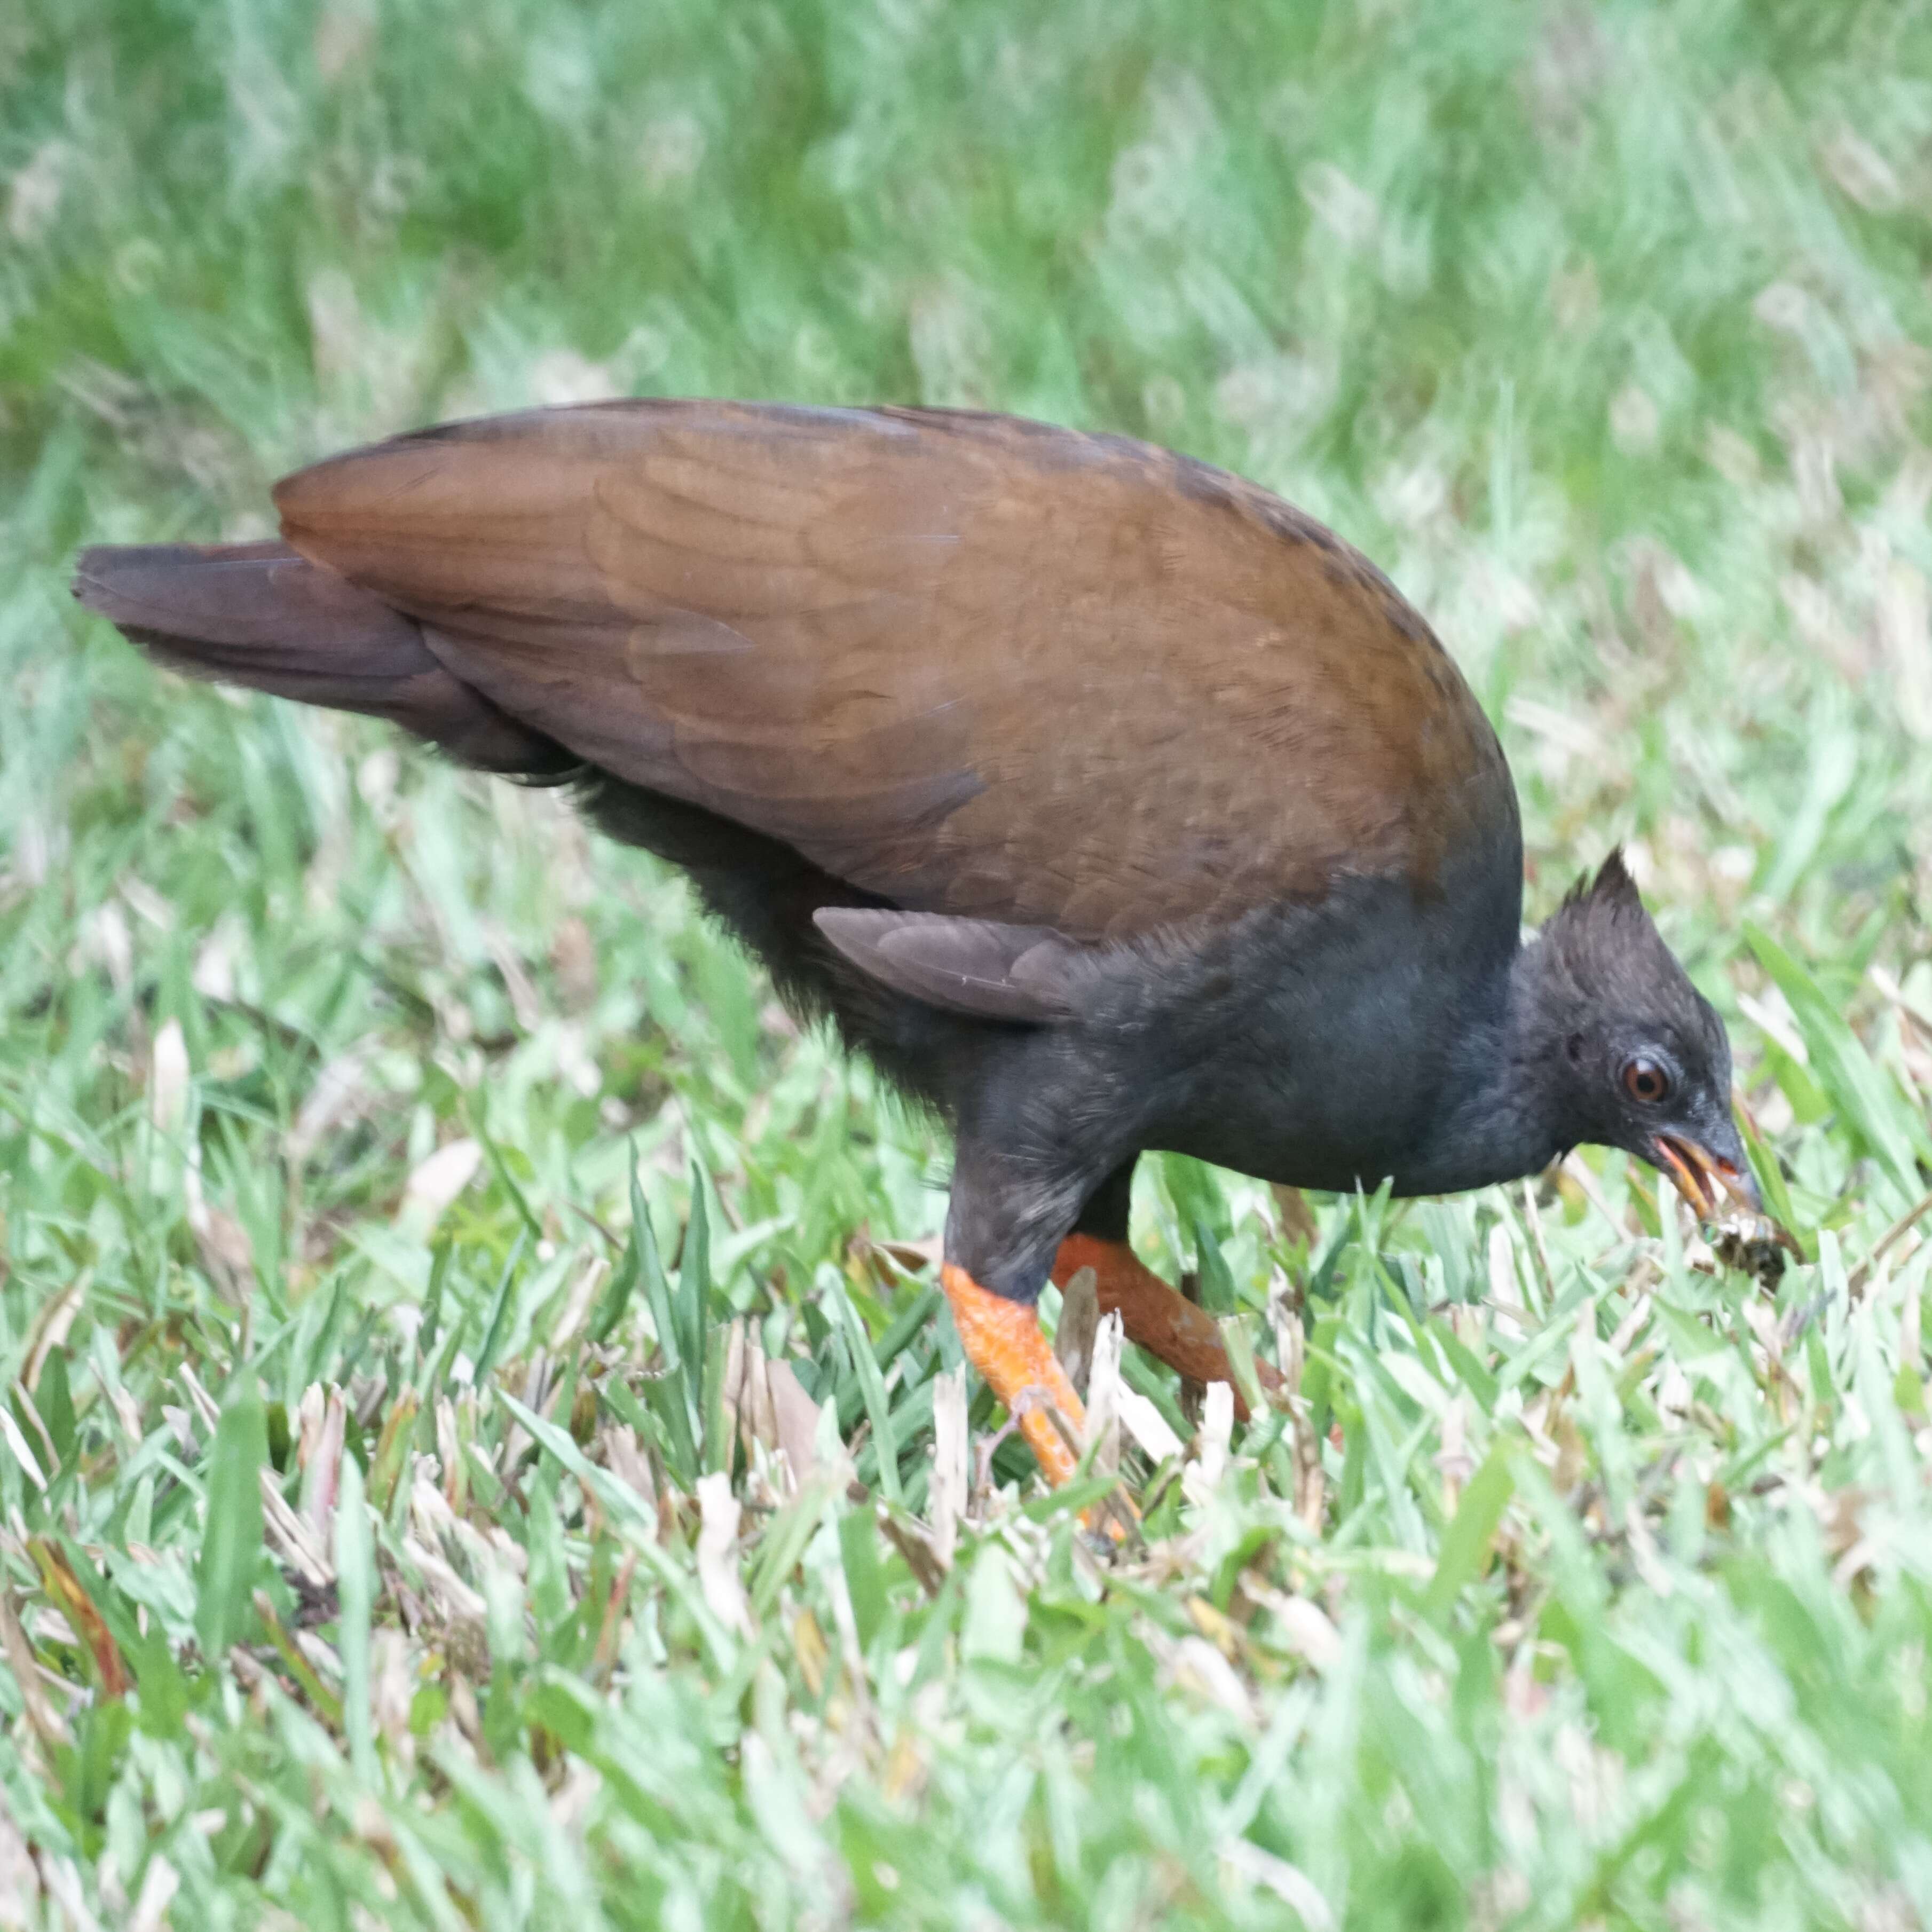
pixel 1612 887
pixel 1601 942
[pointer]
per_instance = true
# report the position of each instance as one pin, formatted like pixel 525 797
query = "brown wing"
pixel 976 665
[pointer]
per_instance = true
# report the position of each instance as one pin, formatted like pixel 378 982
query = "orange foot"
pixel 1156 1317
pixel 1003 1340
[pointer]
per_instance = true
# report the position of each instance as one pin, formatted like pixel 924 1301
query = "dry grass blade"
pixel 47 1723
pixel 717 1576
pixel 1888 1241
pixel 795 1420
pixel 950 1485
pixel 75 1603
pixel 1079 1322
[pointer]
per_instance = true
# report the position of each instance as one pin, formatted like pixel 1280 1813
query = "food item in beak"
pixel 1745 1237
pixel 1753 1244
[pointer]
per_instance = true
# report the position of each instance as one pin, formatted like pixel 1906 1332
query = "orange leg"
pixel 1156 1317
pixel 1003 1341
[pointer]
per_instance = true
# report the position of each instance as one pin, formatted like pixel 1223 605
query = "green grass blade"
pixel 1465 1543
pixel 693 1293
pixel 1864 1094
pixel 865 1574
pixel 356 1591
pixel 657 1287
pixel 500 1165
pixel 872 1383
pixel 231 1545
pixel 498 1319
pixel 432 1311
pixel 718 1439
pixel 1217 1284
pixel 624 1278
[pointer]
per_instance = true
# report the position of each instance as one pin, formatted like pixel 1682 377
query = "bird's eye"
pixel 1645 1081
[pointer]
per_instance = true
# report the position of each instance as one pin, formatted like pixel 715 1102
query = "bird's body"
pixel 1107 801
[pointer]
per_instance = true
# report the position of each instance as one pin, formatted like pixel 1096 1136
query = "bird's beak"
pixel 1707 1179
pixel 1704 1178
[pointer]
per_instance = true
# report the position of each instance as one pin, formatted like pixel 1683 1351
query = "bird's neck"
pixel 1494 1120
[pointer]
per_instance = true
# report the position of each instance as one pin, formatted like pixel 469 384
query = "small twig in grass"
pixel 605 1656
pixel 1115 1514
pixel 1890 1239
pixel 1801 1317
pixel 326 1704
pixel 1894 994
pixel 910 1539
pixel 584 1214
pixel 984 1451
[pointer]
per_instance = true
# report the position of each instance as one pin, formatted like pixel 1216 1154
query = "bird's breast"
pixel 1314 1044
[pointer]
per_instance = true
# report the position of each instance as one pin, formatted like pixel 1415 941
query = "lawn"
pixel 477 1447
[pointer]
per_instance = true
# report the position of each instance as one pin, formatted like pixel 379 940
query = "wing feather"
pixel 978 667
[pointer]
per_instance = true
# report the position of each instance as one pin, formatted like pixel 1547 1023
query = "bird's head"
pixel 1629 1053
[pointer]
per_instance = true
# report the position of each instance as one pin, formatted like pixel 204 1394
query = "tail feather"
pixel 259 615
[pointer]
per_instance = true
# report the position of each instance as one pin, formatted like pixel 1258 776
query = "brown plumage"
pixel 876 635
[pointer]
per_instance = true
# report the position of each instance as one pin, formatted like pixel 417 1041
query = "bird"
pixel 1105 801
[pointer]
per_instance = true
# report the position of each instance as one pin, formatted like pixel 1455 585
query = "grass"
pixel 417 1226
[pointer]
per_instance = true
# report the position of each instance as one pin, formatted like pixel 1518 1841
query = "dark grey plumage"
pixel 1106 801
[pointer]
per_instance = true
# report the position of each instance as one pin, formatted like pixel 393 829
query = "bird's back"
pixel 970 664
